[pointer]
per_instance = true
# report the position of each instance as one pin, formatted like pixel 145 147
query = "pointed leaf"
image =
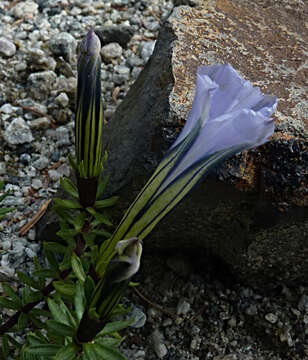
pixel 64 288
pixel 55 247
pixel 80 301
pixel 24 278
pixel 45 273
pixel 106 202
pixel 89 352
pixel 115 326
pixel 5 302
pixel 5 346
pixel 89 286
pixel 67 352
pixel 60 328
pixel 102 186
pixel 108 341
pixel 43 350
pixel 66 204
pixel 106 352
pixel 69 187
pixel 12 293
pixel 22 321
pixel 78 268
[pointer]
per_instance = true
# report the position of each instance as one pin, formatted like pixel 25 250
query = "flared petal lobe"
pixel 238 113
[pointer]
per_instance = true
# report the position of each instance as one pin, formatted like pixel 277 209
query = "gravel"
pixel 204 317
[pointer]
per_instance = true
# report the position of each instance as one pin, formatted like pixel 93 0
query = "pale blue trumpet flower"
pixel 228 115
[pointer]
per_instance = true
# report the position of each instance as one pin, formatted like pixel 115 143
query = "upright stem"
pixel 87 189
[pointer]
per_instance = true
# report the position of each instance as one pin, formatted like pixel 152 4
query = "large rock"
pixel 251 214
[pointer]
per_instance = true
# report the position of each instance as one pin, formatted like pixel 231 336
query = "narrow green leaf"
pixel 12 293
pixel 89 286
pixel 64 308
pixel 64 288
pixel 5 346
pixel 78 268
pixel 79 221
pixel 60 312
pixel 36 339
pixel 102 186
pixel 66 204
pixel 40 312
pixel 67 352
pixel 68 186
pixel 5 302
pixel 100 218
pixel 15 343
pixel 57 313
pixel 80 301
pixel 4 211
pixel 29 296
pixel 55 247
pixel 72 162
pixel 43 350
pixel 24 278
pixel 45 273
pixel 102 232
pixel 106 202
pixel 67 234
pixel 22 321
pixel 108 341
pixel 115 326
pixel 52 260
pixel 60 328
pixel 106 352
pixel 90 353
pixel 37 322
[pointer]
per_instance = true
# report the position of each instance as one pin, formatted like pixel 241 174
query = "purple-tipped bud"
pixel 89 118
pixel 90 45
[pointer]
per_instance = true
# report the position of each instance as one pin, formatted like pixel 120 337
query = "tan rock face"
pixel 266 42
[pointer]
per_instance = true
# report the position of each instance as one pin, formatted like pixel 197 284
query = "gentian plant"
pixel 89 268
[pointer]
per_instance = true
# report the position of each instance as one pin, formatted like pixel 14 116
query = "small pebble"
pixel 111 51
pixel 7 47
pixel 158 344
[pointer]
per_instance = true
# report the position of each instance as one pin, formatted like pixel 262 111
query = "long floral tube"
pixel 228 115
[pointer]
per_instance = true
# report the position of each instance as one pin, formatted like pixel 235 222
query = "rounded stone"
pixel 111 51
pixel 62 100
pixel 25 9
pixel 7 47
pixel 41 83
pixel 63 44
pixel 18 132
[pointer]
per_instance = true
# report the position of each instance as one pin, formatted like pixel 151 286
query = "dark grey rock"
pixel 187 2
pixel 120 34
